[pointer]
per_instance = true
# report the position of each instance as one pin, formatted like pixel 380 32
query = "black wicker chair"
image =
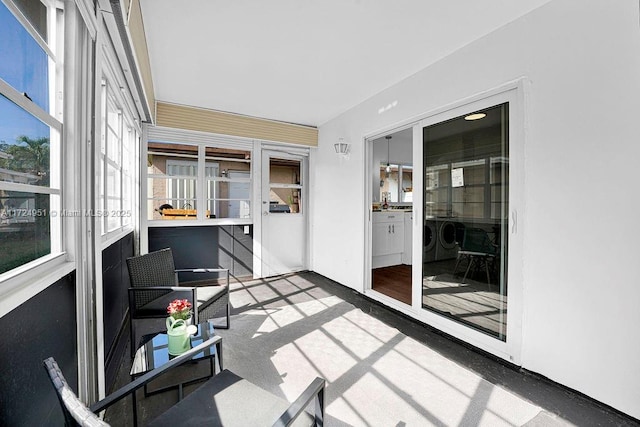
pixel 155 283
pixel 224 400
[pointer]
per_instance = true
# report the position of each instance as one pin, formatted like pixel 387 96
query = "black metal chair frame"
pixel 77 413
pixel 154 275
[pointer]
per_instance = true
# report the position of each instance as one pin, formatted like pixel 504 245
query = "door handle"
pixel 265 213
pixel 389 231
pixel 393 227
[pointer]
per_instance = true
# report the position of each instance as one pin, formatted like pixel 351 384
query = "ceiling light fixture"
pixel 475 116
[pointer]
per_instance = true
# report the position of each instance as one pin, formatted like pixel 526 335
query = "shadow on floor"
pixel 261 334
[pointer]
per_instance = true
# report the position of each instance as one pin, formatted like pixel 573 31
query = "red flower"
pixel 179 309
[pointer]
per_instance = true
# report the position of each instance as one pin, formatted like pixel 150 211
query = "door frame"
pixel 369 169
pixel 285 152
pixel 516 94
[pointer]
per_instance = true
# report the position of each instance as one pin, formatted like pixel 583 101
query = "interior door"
pixel 283 213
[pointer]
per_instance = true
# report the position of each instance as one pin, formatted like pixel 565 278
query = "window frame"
pixel 203 141
pixel 31 271
pixel 127 123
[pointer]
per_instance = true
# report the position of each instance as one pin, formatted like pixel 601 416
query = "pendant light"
pixel 388 169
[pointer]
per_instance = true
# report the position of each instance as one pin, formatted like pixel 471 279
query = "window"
pixel 119 139
pixel 285 186
pixel 30 129
pixel 176 173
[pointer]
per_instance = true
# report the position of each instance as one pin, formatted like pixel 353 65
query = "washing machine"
pixel 446 246
pixel 429 240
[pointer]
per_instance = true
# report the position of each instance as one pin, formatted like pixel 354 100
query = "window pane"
pixel 24 146
pixel 229 199
pixel 173 181
pixel 36 14
pixel 172 189
pixel 219 154
pixel 284 200
pixel 224 208
pixel 172 197
pixel 111 217
pixel 114 131
pixel 465 249
pixel 23 63
pixel 283 171
pixel 25 232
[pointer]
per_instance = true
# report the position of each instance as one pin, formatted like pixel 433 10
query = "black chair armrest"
pixel 315 390
pixel 190 293
pixel 187 290
pixel 160 288
pixel 202 270
pixel 149 376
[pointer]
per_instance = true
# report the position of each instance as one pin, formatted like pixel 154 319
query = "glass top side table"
pixel 153 352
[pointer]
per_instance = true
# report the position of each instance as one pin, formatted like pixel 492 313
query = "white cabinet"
pixel 387 238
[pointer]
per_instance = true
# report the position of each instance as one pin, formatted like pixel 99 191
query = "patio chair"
pixel 479 251
pixel 155 283
pixel 224 400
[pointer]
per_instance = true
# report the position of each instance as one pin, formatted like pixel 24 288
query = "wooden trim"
pixel 212 121
pixel 139 42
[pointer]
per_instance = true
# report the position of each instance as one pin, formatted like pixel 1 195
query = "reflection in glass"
pixel 24 146
pixel 172 176
pixel 23 63
pixel 285 187
pixel 25 231
pixel 392 188
pixel 173 182
pixel 230 198
pixel 465 209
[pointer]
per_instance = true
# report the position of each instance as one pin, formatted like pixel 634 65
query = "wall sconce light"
pixel 341 147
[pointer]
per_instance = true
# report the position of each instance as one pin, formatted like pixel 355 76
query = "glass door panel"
pixel 466 186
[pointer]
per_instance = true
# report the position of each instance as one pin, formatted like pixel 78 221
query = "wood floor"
pixel 475 302
pixel 394 281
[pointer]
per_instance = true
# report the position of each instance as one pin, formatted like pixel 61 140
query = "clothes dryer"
pixel 446 246
pixel 429 240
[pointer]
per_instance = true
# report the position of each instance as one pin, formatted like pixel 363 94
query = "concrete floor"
pixel 560 406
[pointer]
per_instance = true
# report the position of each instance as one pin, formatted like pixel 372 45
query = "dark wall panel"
pixel 43 326
pixel 115 281
pixel 225 246
pixel 208 246
pixel 191 246
pixel 242 250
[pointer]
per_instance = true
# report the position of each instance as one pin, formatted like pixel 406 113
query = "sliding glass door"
pixel 466 206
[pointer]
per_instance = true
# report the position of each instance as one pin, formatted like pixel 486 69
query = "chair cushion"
pixel 157 307
pixel 208 294
pixel 228 400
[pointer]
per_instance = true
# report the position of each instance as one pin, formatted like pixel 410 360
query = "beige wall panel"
pixel 198 119
pixel 136 29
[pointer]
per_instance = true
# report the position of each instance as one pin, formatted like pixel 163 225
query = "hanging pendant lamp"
pixel 388 169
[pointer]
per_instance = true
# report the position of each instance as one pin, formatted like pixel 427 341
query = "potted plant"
pixel 180 309
pixel 178 334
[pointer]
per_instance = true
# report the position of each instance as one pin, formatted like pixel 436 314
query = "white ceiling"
pixel 305 61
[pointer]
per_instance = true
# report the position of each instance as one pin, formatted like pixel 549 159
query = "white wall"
pixel 580 226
